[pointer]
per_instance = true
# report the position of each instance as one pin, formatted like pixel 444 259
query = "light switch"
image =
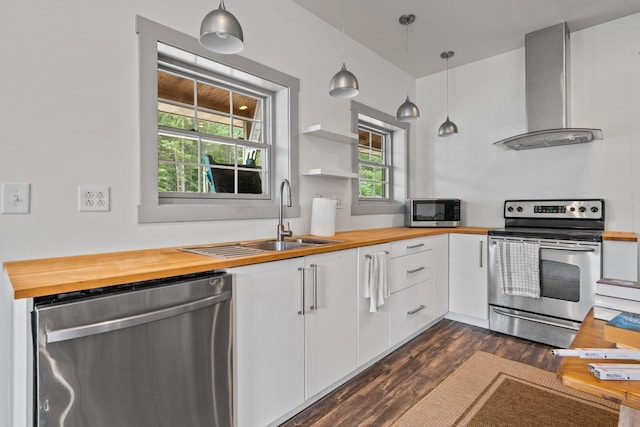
pixel 15 198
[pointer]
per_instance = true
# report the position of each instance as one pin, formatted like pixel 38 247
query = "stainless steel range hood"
pixel 547 93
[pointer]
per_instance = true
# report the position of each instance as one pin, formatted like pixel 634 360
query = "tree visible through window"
pixel 211 137
pixel 374 163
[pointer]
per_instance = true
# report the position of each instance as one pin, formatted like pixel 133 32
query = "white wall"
pixel 70 116
pixel 487 103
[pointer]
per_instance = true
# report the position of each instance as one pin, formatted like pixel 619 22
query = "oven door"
pixel 568 272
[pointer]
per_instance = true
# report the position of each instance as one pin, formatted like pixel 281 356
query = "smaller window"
pixel 381 159
pixel 374 163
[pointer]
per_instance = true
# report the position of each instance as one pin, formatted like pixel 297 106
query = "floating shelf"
pixel 328 173
pixel 319 132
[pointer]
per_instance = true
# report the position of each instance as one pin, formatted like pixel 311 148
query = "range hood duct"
pixel 547 93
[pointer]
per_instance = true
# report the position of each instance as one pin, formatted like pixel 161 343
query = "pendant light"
pixel 408 111
pixel 447 128
pixel 221 32
pixel 343 84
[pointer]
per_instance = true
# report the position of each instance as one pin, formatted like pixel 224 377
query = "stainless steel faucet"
pixel 282 232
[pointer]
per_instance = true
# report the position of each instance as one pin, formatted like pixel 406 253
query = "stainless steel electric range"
pixel 543 266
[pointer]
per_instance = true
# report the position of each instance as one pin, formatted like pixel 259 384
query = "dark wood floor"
pixel 382 393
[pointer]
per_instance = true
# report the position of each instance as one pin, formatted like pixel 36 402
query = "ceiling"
pixel 473 29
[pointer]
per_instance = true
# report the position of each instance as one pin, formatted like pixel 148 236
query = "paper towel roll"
pixel 323 217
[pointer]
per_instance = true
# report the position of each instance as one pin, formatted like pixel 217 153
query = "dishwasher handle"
pixel 138 319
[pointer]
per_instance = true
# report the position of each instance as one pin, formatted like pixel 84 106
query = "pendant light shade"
pixel 221 32
pixel 344 83
pixel 408 111
pixel 447 128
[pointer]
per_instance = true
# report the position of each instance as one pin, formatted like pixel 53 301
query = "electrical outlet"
pixel 338 200
pixel 93 199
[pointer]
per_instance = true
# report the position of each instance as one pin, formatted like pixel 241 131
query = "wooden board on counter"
pixel 49 276
pixel 620 236
pixel 574 371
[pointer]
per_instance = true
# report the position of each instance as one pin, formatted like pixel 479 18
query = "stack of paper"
pixel 615 296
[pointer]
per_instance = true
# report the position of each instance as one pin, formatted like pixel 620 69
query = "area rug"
pixel 488 390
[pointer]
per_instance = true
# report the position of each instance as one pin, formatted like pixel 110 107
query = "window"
pixel 380 157
pixel 374 161
pixel 218 133
pixel 211 138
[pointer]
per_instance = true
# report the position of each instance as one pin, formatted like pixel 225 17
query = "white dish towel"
pixel 519 268
pixel 375 282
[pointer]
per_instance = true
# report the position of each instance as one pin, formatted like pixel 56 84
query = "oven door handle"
pixel 563 248
pixel 532 319
pixel 569 248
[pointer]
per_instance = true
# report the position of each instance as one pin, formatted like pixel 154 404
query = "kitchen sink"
pixel 235 250
pixel 274 245
pixel 300 242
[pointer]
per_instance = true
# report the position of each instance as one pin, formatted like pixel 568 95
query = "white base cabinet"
pixel 468 285
pixel 418 285
pixel 294 332
pixel 268 341
pixel 331 344
pixel 373 328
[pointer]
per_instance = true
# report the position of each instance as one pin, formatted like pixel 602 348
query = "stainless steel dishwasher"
pixel 154 353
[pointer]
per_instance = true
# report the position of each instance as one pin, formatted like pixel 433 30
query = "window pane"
pixel 178 177
pixel 250 181
pixel 175 116
pixel 175 88
pixel 247 106
pixel 221 153
pixel 371 146
pixel 248 130
pixel 214 124
pixel 213 98
pixel 176 149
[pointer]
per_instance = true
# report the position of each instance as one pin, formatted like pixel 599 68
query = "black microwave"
pixel 433 213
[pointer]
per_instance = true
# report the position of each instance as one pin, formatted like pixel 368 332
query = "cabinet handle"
pixel 314 269
pixel 419 245
pixel 415 270
pixel 481 245
pixel 415 310
pixel 301 311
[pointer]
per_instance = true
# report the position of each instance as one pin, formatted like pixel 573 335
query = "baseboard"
pixel 470 320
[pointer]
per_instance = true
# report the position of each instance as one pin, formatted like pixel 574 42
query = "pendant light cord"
pixel 447 86
pixel 342 17
pixel 407 79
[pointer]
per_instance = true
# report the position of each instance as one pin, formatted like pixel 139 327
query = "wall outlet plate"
pixel 15 198
pixel 93 199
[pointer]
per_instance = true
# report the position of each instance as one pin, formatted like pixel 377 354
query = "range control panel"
pixel 558 209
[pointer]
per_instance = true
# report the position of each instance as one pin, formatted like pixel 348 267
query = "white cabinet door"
pixel 373 328
pixel 468 291
pixel 268 341
pixel 330 326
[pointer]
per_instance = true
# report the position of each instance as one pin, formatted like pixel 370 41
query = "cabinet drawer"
pixel 408 270
pixel 411 246
pixel 410 310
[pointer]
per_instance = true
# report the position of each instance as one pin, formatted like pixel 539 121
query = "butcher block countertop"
pixel 47 276
pixel 40 277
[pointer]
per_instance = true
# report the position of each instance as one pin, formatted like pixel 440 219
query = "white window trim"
pixel 284 132
pixel 400 158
